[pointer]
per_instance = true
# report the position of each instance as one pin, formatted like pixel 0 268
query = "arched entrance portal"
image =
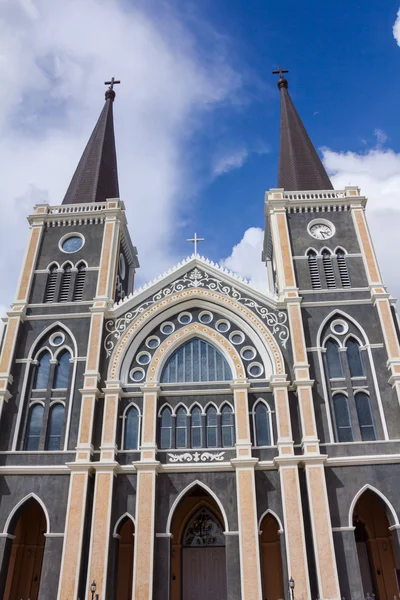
pixel 125 560
pixel 198 561
pixel 271 559
pixel 26 557
pixel 375 547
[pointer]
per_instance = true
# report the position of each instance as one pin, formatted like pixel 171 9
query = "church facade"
pixel 197 438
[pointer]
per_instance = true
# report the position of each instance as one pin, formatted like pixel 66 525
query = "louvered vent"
pixel 314 271
pixel 65 283
pixel 342 266
pixel 79 283
pixel 328 269
pixel 51 285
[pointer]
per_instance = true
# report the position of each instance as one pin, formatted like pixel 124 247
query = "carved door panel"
pixel 204 574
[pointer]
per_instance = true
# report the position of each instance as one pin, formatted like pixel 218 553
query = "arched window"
pixel 196 361
pixel 62 370
pixel 181 428
pixel 328 269
pixel 333 360
pixel 203 530
pixel 354 358
pixel 364 415
pixel 342 266
pixel 34 427
pixel 342 417
pixel 79 282
pixel 212 427
pixel 314 270
pixel 227 426
pixel 65 284
pixel 56 424
pixel 41 379
pixel 262 425
pixel 166 428
pixel 51 284
pixel 196 428
pixel 131 429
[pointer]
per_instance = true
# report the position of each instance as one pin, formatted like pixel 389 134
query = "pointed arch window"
pixel 328 269
pixel 181 428
pixel 65 283
pixel 314 270
pixel 354 358
pixel 55 428
pixel 34 428
pixel 342 417
pixel 212 427
pixel 262 425
pixel 333 359
pixel 51 284
pixel 196 361
pixel 227 426
pixel 79 282
pixel 342 267
pixel 41 378
pixel 166 428
pixel 196 426
pixel 131 441
pixel 62 370
pixel 364 415
pixel 203 530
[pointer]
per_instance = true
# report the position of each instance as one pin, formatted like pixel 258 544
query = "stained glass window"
pixel 354 358
pixel 212 427
pixel 227 426
pixel 364 415
pixel 56 424
pixel 342 416
pixel 263 436
pixel 131 429
pixel 204 530
pixel 166 428
pixel 196 428
pixel 195 361
pixel 34 427
pixel 41 380
pixel 333 359
pixel 181 428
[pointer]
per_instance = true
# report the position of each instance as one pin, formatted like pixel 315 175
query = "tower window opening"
pixel 314 271
pixel 51 284
pixel 65 284
pixel 342 266
pixel 328 269
pixel 79 282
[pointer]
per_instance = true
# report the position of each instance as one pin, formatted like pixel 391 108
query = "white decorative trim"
pixel 366 487
pixel 274 515
pixel 336 529
pixel 54 535
pixel 20 503
pixel 196 457
pixel 122 517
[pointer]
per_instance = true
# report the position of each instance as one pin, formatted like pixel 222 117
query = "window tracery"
pixel 203 530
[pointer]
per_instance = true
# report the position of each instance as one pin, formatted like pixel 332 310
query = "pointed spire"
pixel 300 167
pixel 96 177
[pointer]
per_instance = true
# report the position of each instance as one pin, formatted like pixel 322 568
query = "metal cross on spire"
pixel 280 72
pixel 195 239
pixel 111 83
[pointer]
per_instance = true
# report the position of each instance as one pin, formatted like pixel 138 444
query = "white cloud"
pixel 54 57
pixel 245 259
pixel 229 161
pixel 377 173
pixel 381 137
pixel 396 28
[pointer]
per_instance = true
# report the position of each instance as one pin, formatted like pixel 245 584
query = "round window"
pixel 167 328
pixel 255 369
pixel 237 337
pixel 248 353
pixel 340 327
pixel 137 374
pixel 184 318
pixel 153 342
pixel 205 317
pixel 71 243
pixel 223 326
pixel 57 339
pixel 143 358
pixel 122 266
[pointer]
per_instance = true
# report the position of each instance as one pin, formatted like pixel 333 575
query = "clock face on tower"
pixel 321 230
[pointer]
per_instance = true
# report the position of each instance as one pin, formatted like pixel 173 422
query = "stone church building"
pixel 197 439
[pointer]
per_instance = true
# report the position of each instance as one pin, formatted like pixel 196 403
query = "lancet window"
pixel 353 396
pixel 314 270
pixel 131 419
pixel 196 428
pixel 65 284
pixel 328 269
pixel 262 425
pixel 196 361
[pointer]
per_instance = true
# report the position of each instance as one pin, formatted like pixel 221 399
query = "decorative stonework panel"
pixel 188 457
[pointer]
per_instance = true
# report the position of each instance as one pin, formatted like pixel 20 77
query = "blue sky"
pixel 197 115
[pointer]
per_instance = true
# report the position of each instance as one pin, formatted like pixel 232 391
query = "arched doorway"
pixel 26 556
pixel 271 559
pixel 375 548
pixel 125 560
pixel 198 558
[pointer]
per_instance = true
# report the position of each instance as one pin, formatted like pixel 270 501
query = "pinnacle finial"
pixel 282 81
pixel 110 94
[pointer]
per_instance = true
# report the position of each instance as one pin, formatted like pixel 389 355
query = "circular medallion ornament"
pixel 320 229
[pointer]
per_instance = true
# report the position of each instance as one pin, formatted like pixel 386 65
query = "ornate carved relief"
pixel 196 457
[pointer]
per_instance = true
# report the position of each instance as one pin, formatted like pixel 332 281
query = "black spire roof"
pixel 96 177
pixel 300 167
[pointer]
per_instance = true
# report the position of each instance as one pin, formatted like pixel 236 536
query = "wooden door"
pixel 204 573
